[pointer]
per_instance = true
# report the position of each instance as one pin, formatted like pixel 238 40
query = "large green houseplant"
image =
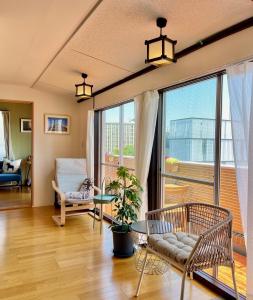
pixel 126 189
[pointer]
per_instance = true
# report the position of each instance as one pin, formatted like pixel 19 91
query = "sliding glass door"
pixel 117 141
pixel 197 157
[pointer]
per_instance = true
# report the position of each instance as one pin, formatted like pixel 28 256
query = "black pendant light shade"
pixel 84 90
pixel 160 50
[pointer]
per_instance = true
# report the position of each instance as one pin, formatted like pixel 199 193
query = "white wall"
pixel 206 60
pixel 46 146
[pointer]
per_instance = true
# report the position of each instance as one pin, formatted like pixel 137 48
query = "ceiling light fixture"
pixel 84 90
pixel 160 50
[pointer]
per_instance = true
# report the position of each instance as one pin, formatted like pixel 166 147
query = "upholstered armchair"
pixel 70 175
pixel 191 237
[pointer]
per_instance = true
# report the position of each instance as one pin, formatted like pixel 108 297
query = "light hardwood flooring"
pixel 14 198
pixel 41 261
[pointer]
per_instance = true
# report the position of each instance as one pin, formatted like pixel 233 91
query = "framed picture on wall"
pixel 57 124
pixel 26 125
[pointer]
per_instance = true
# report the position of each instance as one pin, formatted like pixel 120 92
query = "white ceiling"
pixel 110 43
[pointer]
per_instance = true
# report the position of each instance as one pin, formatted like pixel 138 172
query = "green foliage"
pixel 115 151
pixel 172 160
pixel 128 150
pixel 126 189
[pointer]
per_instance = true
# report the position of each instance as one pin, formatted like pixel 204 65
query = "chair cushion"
pixel 70 173
pixel 177 246
pixel 71 166
pixel 87 185
pixel 11 166
pixel 78 197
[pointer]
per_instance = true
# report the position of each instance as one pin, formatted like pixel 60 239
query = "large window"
pixel 189 143
pixel 2 141
pixel 117 141
pixel 197 157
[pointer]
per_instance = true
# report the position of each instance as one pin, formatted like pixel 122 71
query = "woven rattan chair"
pixel 191 237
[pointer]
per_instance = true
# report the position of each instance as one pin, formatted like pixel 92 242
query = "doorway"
pixel 16 140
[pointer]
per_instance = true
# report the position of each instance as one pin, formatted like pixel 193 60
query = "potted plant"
pixel 172 164
pixel 126 189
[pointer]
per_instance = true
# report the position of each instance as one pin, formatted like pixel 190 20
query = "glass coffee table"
pixel 154 265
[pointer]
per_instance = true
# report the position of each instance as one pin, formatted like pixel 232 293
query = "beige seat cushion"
pixel 176 246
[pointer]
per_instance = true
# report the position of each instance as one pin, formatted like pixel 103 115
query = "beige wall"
pixel 206 60
pixel 47 147
pixel 83 110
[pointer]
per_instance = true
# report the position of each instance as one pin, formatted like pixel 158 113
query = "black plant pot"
pixel 123 245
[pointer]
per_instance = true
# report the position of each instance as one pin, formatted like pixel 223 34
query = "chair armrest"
pixel 61 194
pixel 213 248
pixel 97 189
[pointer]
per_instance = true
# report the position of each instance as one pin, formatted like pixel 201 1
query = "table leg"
pixel 95 209
pixel 111 213
pixel 101 218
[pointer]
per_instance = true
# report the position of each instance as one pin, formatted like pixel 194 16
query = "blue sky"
pixel 112 115
pixel 192 101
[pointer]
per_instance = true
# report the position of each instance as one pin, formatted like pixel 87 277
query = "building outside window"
pixel 117 142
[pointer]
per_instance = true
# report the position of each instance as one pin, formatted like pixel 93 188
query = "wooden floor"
pixel 14 198
pixel 41 261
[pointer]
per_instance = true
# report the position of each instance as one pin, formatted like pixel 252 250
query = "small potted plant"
pixel 172 164
pixel 126 189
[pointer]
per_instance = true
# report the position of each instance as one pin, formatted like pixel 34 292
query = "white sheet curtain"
pixel 90 144
pixel 240 86
pixel 146 107
pixel 7 135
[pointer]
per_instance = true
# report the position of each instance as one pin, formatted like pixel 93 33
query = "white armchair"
pixel 69 176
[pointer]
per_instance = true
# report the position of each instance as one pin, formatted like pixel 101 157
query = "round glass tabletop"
pixel 155 226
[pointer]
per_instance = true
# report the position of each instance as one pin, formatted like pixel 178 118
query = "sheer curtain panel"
pixel 90 144
pixel 240 86
pixel 146 107
pixel 7 135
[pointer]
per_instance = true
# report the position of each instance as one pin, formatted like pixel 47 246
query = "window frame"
pixel 101 137
pixel 155 197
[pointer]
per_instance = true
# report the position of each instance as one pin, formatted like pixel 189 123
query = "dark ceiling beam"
pixel 216 37
pixel 121 81
pixel 200 44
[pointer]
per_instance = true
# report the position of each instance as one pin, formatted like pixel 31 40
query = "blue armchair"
pixel 10 177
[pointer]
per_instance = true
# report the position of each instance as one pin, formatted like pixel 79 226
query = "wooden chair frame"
pixel 76 205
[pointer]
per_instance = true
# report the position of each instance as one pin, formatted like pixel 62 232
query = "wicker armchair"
pixel 191 237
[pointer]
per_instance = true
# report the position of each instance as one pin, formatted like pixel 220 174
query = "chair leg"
pixel 101 218
pixel 182 286
pixel 234 281
pixel 191 275
pixel 63 214
pixel 95 209
pixel 141 275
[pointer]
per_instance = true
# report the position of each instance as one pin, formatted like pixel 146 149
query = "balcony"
pixel 177 188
